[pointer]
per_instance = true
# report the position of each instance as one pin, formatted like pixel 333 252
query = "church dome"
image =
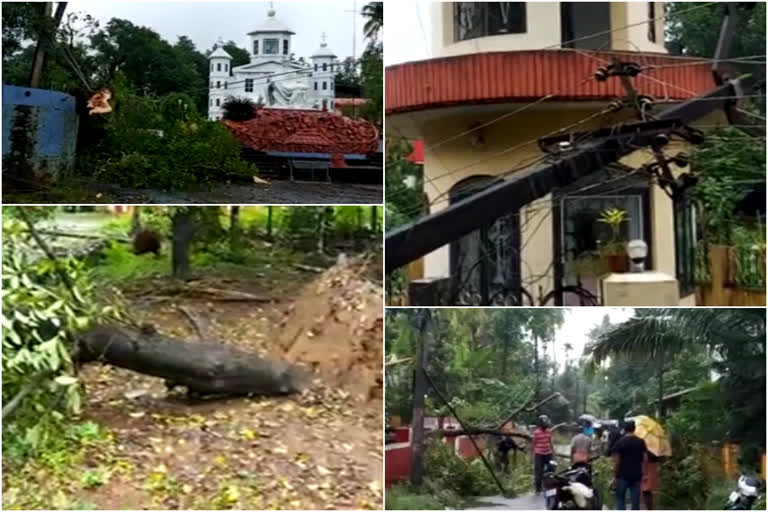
pixel 220 53
pixel 271 25
pixel 323 51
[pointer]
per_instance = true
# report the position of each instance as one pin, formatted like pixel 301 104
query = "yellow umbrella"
pixel 653 434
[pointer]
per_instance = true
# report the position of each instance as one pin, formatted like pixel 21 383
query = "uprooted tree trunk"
pixel 204 368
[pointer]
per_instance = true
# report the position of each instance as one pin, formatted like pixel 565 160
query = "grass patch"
pixel 408 497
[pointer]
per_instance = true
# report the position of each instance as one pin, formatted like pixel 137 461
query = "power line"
pixel 559 45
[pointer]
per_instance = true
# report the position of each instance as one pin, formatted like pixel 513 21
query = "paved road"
pixel 525 502
pixel 277 192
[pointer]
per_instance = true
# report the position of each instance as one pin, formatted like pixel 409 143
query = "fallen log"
pixel 204 368
pixel 476 431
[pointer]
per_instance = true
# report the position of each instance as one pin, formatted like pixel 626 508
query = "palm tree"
pixel 657 334
pixel 374 11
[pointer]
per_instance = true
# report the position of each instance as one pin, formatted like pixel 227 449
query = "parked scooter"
pixel 746 493
pixel 572 488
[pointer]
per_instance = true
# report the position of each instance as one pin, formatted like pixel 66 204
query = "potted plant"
pixel 614 251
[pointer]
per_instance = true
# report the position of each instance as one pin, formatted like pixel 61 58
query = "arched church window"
pixel 218 84
pixel 315 85
pixel 226 67
pixel 225 84
pixel 325 105
pixel 285 47
pixel 256 47
pixel 210 102
pixel 218 66
pixel 325 85
pixel 249 85
pixel 325 66
pixel 331 66
pixel 211 66
pixel 315 67
pixel 218 102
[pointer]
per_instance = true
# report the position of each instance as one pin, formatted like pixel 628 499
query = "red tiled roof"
pixel 499 77
pixel 304 131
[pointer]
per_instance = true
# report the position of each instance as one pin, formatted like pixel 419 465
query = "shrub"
pixel 452 472
pixel 407 497
pixel 239 109
pixel 163 144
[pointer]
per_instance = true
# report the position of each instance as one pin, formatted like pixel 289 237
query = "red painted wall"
pixel 397 460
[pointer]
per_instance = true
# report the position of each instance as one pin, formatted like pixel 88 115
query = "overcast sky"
pixel 578 322
pixel 405 40
pixel 205 22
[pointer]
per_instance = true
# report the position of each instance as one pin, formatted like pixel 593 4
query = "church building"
pixel 273 77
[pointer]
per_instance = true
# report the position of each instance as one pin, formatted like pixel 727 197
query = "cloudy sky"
pixel 205 22
pixel 578 323
pixel 405 40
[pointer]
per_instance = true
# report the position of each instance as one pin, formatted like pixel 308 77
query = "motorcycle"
pixel 746 493
pixel 571 489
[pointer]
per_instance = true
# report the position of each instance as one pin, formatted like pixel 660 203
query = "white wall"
pixel 543 20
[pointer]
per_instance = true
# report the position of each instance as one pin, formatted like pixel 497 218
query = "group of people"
pixel 635 468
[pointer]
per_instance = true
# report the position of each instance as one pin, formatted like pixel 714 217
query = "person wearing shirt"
pixel 542 450
pixel 629 454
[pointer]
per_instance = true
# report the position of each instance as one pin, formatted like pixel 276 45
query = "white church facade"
pixel 272 77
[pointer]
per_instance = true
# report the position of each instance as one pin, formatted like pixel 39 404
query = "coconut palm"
pixel 733 334
pixel 374 11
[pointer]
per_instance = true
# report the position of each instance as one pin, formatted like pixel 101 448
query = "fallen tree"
pixel 204 368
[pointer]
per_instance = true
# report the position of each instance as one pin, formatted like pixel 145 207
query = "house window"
pixel 218 66
pixel 285 47
pixel 325 105
pixel 218 102
pixel 325 66
pixel 485 264
pixel 585 25
pixel 315 85
pixel 255 46
pixel 325 85
pixel 249 85
pixel 271 46
pixel 652 22
pixel 479 19
pixel 218 84
pixel 685 244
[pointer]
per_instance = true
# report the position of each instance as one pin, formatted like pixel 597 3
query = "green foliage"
pixel 749 250
pixel 372 75
pixel 404 201
pixel 41 319
pixel 446 470
pixel 163 145
pixel 724 163
pixel 683 483
pixel 406 497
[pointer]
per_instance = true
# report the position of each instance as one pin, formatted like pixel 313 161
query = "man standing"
pixel 542 450
pixel 581 445
pixel 505 445
pixel 628 452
